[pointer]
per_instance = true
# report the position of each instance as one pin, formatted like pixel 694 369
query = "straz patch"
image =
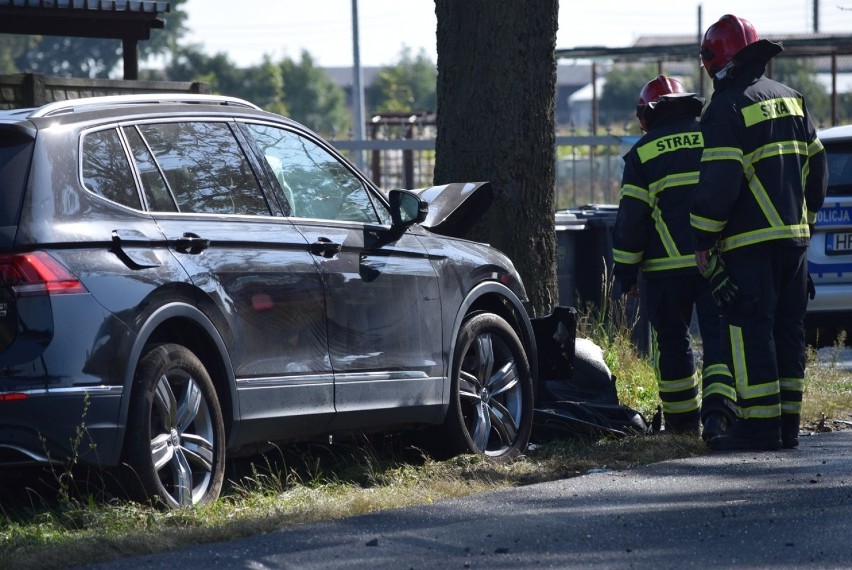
pixel 670 143
pixel 772 109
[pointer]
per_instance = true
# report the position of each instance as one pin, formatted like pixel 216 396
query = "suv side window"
pixel 106 170
pixel 204 167
pixel 315 183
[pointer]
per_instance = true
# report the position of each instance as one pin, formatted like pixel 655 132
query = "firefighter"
pixel 763 178
pixel 652 234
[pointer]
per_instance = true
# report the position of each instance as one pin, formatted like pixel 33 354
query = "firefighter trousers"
pixel 671 300
pixel 763 333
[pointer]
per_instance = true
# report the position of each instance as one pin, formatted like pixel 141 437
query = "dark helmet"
pixel 724 39
pixel 652 92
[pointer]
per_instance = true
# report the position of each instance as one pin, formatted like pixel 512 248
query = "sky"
pixel 246 30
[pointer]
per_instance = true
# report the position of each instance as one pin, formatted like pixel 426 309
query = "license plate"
pixel 837 243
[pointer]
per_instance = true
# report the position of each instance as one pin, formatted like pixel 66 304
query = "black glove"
pixel 811 288
pixel 722 287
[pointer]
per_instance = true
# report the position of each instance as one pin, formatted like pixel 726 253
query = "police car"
pixel 830 253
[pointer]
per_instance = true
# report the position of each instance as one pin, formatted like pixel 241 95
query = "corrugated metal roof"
pixel 144 6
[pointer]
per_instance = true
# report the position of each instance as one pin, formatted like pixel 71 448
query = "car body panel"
pixel 830 251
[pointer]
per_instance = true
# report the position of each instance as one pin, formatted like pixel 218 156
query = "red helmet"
pixel 724 39
pixel 651 93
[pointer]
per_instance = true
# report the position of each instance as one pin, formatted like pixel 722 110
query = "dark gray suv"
pixel 185 278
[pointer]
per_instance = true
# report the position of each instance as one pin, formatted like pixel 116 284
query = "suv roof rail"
pixel 72 105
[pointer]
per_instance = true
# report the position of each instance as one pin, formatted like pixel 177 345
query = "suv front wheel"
pixel 491 403
pixel 175 433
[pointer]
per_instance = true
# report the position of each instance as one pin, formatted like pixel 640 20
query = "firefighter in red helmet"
pixel 762 180
pixel 652 235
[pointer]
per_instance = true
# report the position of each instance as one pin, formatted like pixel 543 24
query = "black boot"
pixel 749 435
pixel 790 431
pixel 716 423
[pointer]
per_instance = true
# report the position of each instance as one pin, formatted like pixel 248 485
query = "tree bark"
pixel 496 104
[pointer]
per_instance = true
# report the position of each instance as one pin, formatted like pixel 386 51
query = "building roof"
pixel 118 19
pixel 673 48
pixel 127 20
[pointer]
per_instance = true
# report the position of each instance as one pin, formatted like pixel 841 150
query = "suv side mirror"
pixel 406 208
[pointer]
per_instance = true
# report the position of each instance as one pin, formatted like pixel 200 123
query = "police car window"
pixel 314 182
pixel 205 168
pixel 839 169
pixel 106 171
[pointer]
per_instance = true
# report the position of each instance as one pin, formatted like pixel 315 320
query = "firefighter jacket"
pixel 652 230
pixel 763 169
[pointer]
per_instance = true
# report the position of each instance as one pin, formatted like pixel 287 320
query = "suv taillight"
pixel 36 273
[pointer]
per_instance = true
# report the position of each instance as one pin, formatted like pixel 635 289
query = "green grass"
pixel 64 522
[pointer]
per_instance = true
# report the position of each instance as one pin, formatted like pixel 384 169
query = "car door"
pixel 382 301
pixel 259 283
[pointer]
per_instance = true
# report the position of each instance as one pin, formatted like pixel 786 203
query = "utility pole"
pixel 357 89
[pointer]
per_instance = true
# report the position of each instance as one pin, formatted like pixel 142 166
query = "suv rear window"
pixel 839 169
pixel 16 149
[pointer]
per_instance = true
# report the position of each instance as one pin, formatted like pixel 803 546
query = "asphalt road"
pixel 785 509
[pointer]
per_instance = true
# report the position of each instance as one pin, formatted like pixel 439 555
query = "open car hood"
pixel 455 208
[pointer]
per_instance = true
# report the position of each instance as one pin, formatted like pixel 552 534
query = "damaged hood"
pixel 455 208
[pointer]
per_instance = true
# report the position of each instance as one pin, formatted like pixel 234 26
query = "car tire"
pixel 491 401
pixel 174 447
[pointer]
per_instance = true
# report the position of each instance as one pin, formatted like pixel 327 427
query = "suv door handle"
pixel 325 247
pixel 191 243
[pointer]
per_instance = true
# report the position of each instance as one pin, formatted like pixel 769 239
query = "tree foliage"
pixel 312 97
pixel 408 85
pixel 621 91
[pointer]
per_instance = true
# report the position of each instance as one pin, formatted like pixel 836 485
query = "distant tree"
pixel 799 74
pixel 617 103
pixel 496 108
pixel 94 57
pixel 263 84
pixel 408 85
pixel 312 98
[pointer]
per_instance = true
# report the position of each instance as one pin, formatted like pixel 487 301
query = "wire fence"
pixel 588 168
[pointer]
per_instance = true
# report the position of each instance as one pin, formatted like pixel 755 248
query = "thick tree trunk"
pixel 496 101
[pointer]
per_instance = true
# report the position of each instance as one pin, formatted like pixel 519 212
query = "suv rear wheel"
pixel 175 433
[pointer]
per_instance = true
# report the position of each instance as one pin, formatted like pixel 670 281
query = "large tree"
pixel 496 102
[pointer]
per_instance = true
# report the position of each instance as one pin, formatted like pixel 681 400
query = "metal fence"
pixel 588 168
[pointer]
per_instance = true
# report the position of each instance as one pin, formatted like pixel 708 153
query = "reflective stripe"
pixel 792 384
pixel 772 109
pixel 815 147
pixel 670 143
pixel 761 412
pixel 629 190
pixel 663 263
pixel 679 385
pixel 626 257
pixel 664 233
pixel 717 369
pixel 758 191
pixel 672 181
pixel 721 389
pixel 706 224
pixel 764 234
pixel 681 407
pixel 722 153
pixel 791 407
pixel 812 217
